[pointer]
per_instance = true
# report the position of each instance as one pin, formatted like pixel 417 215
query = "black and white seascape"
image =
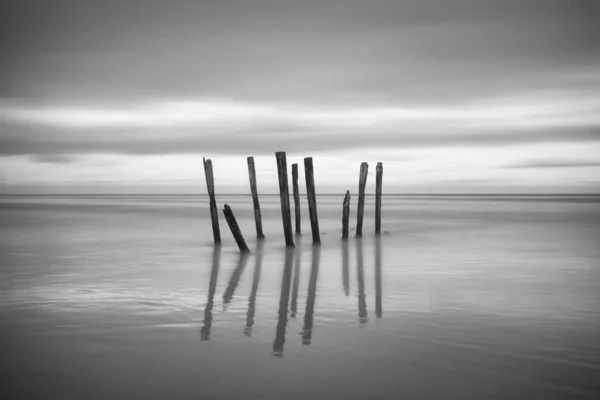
pixel 335 199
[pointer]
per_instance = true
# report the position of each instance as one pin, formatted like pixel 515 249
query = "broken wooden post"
pixel 257 217
pixel 312 199
pixel 235 229
pixel 378 179
pixel 210 186
pixel 296 196
pixel 345 215
pixel 284 197
pixel 364 169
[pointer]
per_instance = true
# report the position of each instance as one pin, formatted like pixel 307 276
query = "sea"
pixel 459 297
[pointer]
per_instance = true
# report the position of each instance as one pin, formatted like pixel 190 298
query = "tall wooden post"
pixel 312 199
pixel 257 216
pixel 284 197
pixel 378 179
pixel 210 186
pixel 364 170
pixel 296 196
pixel 345 215
pixel 235 229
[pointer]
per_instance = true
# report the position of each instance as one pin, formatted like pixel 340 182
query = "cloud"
pixel 169 127
pixel 555 164
pixel 54 159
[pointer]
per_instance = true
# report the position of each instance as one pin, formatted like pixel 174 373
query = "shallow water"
pixel 463 296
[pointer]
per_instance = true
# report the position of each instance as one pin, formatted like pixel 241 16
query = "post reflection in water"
pixel 283 303
pixel 312 294
pixel 235 278
pixel 378 310
pixel 360 274
pixel 255 279
pixel 346 266
pixel 296 282
pixel 212 287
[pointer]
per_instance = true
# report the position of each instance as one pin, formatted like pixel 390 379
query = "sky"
pixel 453 96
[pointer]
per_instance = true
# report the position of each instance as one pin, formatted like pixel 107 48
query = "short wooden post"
pixel 312 199
pixel 235 229
pixel 257 216
pixel 345 215
pixel 378 179
pixel 364 169
pixel 296 196
pixel 284 197
pixel 210 186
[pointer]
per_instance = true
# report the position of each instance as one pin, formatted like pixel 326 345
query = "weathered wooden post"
pixel 364 169
pixel 296 196
pixel 210 186
pixel 345 215
pixel 284 197
pixel 378 179
pixel 312 199
pixel 235 229
pixel 257 217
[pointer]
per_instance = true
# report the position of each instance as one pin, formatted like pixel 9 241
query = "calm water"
pixel 462 297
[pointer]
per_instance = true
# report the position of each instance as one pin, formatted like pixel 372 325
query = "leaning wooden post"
pixel 378 179
pixel 257 217
pixel 235 229
pixel 345 215
pixel 364 169
pixel 296 196
pixel 210 186
pixel 312 199
pixel 284 197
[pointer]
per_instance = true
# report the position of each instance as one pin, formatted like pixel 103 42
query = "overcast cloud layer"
pixel 111 87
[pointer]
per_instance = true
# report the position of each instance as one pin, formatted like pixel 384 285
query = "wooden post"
pixel 296 196
pixel 284 197
pixel 378 179
pixel 257 217
pixel 210 186
pixel 312 199
pixel 364 169
pixel 345 215
pixel 235 229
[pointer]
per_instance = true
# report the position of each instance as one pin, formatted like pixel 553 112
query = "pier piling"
pixel 296 196
pixel 312 199
pixel 257 216
pixel 235 229
pixel 378 179
pixel 210 186
pixel 345 215
pixel 364 170
pixel 284 197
